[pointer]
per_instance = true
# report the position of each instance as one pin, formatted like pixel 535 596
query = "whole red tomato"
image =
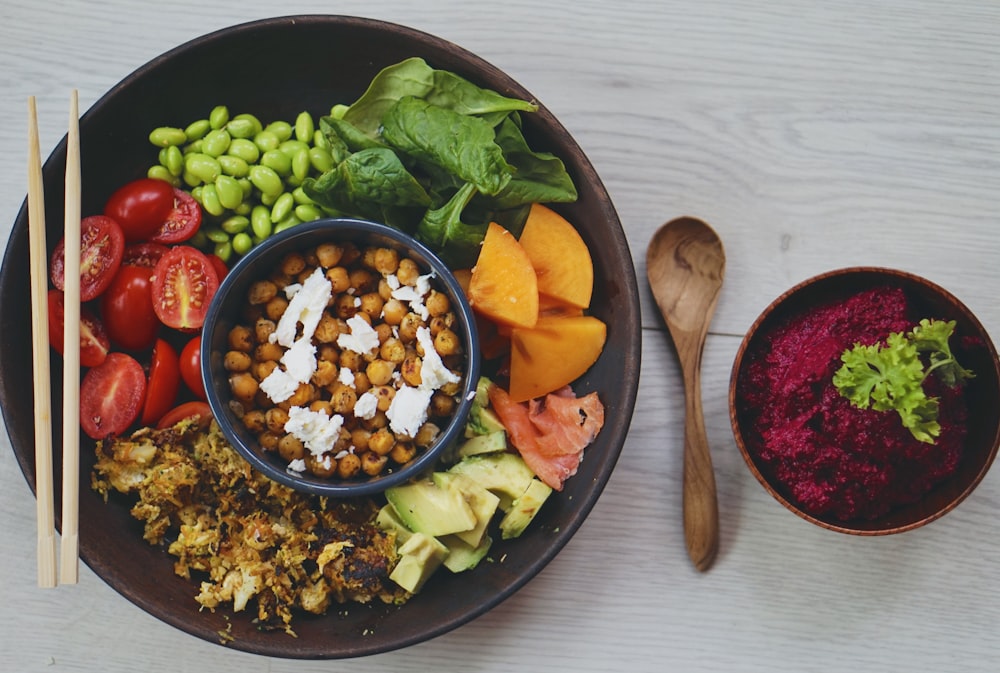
pixel 141 207
pixel 164 383
pixel 190 364
pixel 127 309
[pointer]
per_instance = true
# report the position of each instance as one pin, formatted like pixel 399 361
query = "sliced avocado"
pixel 494 441
pixel 482 419
pixel 463 557
pixel 503 473
pixel 425 508
pixel 419 557
pixel 524 509
pixel 483 503
pixel 389 521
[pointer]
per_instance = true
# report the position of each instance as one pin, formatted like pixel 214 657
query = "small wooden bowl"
pixel 982 393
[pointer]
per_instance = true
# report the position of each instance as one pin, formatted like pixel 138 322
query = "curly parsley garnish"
pixel 891 376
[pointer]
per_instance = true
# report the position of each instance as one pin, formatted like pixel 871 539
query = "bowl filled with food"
pixel 864 400
pixel 190 182
pixel 341 357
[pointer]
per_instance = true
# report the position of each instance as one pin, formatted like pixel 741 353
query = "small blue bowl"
pixel 227 308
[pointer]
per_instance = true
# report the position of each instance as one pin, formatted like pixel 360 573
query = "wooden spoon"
pixel 685 264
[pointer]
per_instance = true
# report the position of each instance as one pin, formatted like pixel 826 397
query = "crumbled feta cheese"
pixel 414 295
pixel 297 465
pixel 408 410
pixel 433 373
pixel 362 339
pixel 366 406
pixel 392 280
pixel 300 360
pixel 292 289
pixel 317 431
pixel 279 385
pixel 346 377
pixel 305 307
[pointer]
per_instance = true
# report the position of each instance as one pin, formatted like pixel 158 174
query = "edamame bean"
pixel 307 212
pixel 286 223
pixel 190 179
pixel 243 209
pixel 210 200
pixel 260 221
pixel 174 160
pixel 216 142
pixel 246 186
pixel 241 128
pixel 223 251
pixel 235 224
pixel 219 116
pixel 191 148
pixel 301 164
pixel 304 127
pixel 319 140
pixel 242 243
pixel 215 235
pixel 278 161
pixel 292 146
pixel 165 136
pixel 244 149
pixel 196 130
pixel 282 129
pixel 202 166
pixel 301 197
pixel 282 207
pixel 256 125
pixel 266 180
pixel 338 111
pixel 266 140
pixel 159 172
pixel 229 191
pixel 199 240
pixel 320 159
pixel 234 166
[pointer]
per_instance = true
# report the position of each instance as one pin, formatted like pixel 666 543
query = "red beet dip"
pixel 833 459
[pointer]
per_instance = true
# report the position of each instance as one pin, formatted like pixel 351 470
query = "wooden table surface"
pixel 812 136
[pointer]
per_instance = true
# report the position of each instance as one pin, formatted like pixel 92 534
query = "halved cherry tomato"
pixel 111 396
pixel 184 282
pixel 190 364
pixel 127 308
pixel 102 245
pixel 182 222
pixel 196 409
pixel 94 342
pixel 144 253
pixel 164 383
pixel 141 207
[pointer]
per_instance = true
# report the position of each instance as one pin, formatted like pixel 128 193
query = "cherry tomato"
pixel 190 364
pixel 141 207
pixel 111 396
pixel 144 253
pixel 195 408
pixel 184 282
pixel 220 267
pixel 127 308
pixel 94 342
pixel 102 245
pixel 182 222
pixel 164 383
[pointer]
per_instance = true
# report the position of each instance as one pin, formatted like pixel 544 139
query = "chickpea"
pixel 361 383
pixel 328 353
pixel 360 437
pixel 407 272
pixel 343 398
pixel 393 311
pixel 346 305
pixel 384 395
pixel 384 289
pixel 328 254
pixel 276 417
pixel 322 406
pixel 392 350
pixel 376 422
pixel 351 360
pixel 328 329
pixel 268 351
pixel 441 404
pixel 402 453
pixel 386 260
pixel 237 361
pixel 362 280
pixel 351 254
pixel 372 463
pixel 339 280
pixel 293 264
pixel 243 385
pixel 240 339
pixel 324 467
pixel 381 441
pixel 427 434
pixel 348 465
pixel 290 448
pixel 325 374
pixel 302 397
pixel 408 327
pixel 380 372
pixel 262 292
pixel 263 329
pixel 255 421
pixel 384 332
pixel 275 308
pixel 268 440
pixel 437 303
pixel 441 322
pixel 446 342
pixel 262 370
pixel 372 303
pixel 410 370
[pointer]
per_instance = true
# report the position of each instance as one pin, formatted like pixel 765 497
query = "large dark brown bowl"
pixel 982 392
pixel 277 68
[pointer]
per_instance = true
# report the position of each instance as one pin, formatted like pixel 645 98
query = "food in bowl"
pixel 355 390
pixel 851 397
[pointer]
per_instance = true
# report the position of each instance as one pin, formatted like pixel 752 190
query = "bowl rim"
pixel 297 238
pixel 776 304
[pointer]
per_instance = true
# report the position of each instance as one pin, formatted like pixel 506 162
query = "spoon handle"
pixel 701 508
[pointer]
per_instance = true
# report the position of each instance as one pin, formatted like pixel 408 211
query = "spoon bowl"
pixel 685 265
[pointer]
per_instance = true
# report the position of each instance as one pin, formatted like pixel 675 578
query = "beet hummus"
pixel 832 458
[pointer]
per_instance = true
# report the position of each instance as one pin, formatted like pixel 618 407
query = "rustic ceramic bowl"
pixel 278 68
pixel 227 308
pixel 982 392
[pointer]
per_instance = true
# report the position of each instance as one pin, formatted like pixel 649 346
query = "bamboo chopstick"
pixel 69 550
pixel 44 492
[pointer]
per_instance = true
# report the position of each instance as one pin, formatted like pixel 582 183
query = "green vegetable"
pixel 891 376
